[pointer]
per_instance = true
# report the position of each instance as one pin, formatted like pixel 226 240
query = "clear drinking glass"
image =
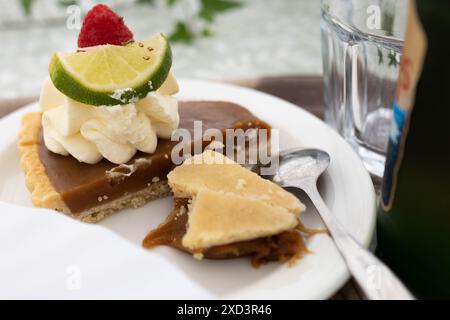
pixel 361 47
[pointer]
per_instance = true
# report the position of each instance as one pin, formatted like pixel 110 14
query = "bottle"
pixel 414 213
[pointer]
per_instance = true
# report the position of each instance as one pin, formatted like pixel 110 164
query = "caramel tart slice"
pixel 91 192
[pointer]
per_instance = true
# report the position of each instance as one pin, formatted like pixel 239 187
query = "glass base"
pixel 373 161
pixel 371 142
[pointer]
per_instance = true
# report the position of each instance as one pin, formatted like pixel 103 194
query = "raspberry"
pixel 103 26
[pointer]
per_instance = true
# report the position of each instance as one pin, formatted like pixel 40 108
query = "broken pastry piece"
pixel 223 210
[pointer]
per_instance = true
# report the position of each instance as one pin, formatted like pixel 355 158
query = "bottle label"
pixel 413 55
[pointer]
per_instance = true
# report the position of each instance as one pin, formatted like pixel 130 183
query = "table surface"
pixel 304 91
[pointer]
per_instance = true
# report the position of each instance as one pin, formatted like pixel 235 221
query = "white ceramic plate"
pixel 47 255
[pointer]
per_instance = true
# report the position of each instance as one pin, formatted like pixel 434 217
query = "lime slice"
pixel 111 75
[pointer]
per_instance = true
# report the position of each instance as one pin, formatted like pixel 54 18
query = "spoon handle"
pixel 376 280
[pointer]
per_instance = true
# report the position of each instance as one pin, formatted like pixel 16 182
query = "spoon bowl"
pixel 298 165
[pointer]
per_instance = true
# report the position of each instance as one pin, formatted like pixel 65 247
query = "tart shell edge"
pixel 43 195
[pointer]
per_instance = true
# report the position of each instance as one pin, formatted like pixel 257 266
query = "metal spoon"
pixel 301 169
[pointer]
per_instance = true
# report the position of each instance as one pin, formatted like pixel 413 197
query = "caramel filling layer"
pixel 84 186
pixel 283 247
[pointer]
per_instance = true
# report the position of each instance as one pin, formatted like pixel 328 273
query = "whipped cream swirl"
pixel 91 133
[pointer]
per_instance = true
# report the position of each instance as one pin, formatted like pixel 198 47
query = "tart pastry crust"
pixel 42 192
